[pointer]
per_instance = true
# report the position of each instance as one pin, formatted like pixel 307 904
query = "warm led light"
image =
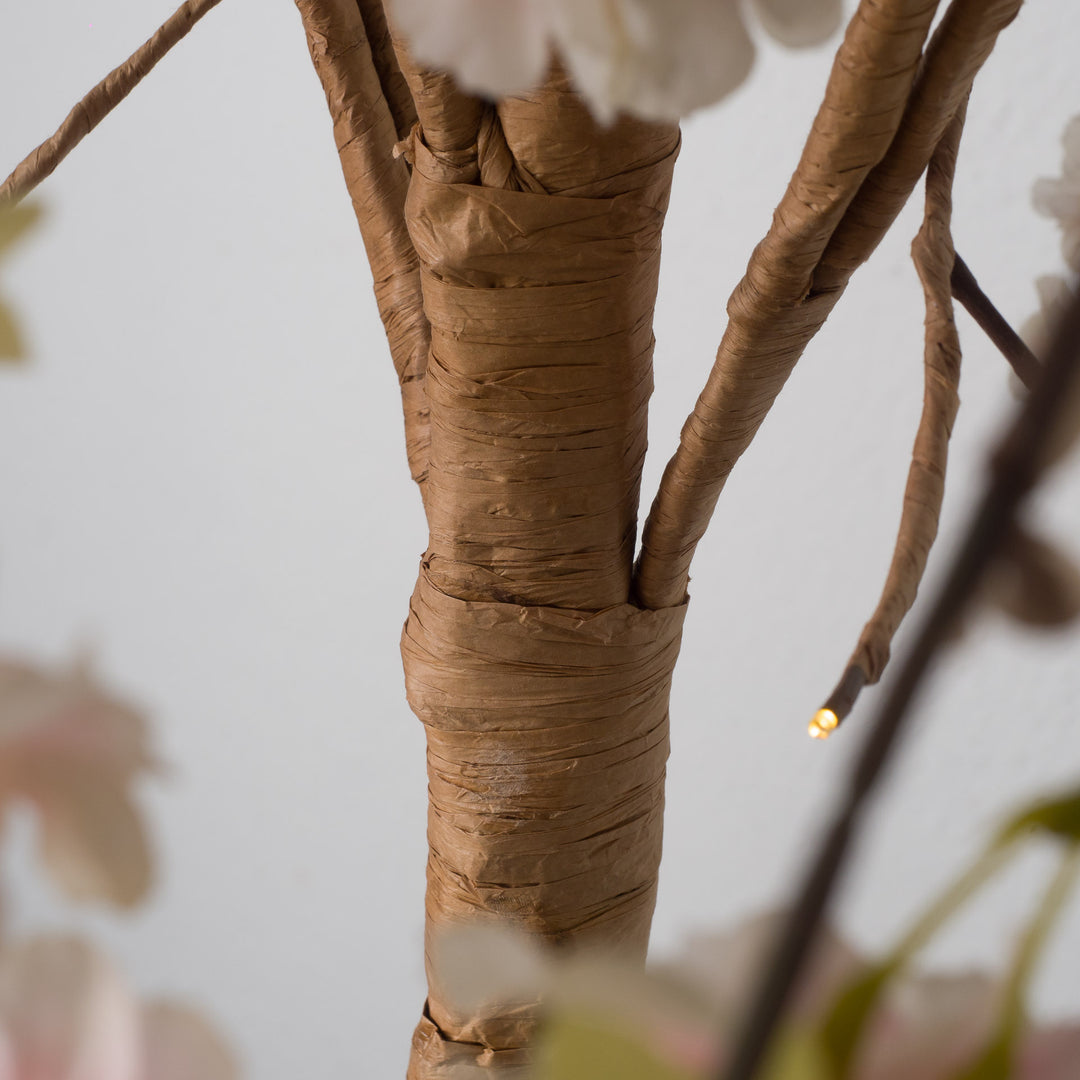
pixel 824 722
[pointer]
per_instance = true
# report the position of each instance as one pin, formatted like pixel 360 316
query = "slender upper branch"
pixel 924 492
pixel 101 101
pixel 871 141
pixel 368 100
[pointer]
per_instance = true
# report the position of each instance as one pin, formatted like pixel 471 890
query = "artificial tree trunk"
pixel 515 248
pixel 542 687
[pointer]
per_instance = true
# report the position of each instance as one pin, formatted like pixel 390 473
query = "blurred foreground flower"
pixel 607 1021
pixel 14 223
pixel 73 751
pixel 657 59
pixel 65 1014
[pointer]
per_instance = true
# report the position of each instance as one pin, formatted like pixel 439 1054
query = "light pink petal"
pixel 67 1014
pixel 180 1044
pixel 72 750
pixel 800 23
pixel 1051 1054
pixel 92 840
pixel 65 713
pixel 724 967
pixel 929 1027
pixel 493 47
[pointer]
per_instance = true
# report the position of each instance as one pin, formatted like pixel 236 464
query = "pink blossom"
pixel 65 1014
pixel 73 752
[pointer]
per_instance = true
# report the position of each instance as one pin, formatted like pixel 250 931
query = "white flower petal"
pixel 800 23
pixel 653 58
pixel 67 1014
pixel 492 47
pixel 480 964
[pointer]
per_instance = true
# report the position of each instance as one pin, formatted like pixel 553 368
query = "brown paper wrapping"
pixel 547 740
pixel 932 252
pixel 542 686
pixel 543 690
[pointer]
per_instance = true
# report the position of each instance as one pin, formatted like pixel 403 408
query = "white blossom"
pixel 657 59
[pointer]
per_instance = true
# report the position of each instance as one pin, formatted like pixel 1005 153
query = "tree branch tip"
pixel 839 703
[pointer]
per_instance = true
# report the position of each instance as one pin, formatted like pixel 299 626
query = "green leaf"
pixel 14 223
pixel 996 1061
pixel 846 1021
pixel 1060 817
pixel 797 1054
pixel 10 342
pixel 583 1046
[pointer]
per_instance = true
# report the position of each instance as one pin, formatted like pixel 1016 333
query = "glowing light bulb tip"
pixel 824 722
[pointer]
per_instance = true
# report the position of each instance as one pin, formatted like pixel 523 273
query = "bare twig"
pixel 981 308
pixel 1015 468
pixel 101 101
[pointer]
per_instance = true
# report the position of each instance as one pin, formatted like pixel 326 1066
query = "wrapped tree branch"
pixel 874 130
pixel 933 254
pixel 368 100
pixel 101 101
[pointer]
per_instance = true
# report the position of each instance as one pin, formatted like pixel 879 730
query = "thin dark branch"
pixel 101 101
pixel 1015 470
pixel 981 308
pixel 839 703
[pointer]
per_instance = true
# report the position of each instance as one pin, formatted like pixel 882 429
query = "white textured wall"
pixel 201 473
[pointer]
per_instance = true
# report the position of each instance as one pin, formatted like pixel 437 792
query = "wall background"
pixel 202 476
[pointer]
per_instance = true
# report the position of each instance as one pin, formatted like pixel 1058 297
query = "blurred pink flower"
pixel 65 1014
pixel 1060 198
pixel 73 752
pixel 684 1012
pixel 658 59
pixel 927 1027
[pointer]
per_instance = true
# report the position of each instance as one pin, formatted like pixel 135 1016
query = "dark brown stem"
pixel 1015 469
pixel 981 308
pixel 839 703
pixel 101 101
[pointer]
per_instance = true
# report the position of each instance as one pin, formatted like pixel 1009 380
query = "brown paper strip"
pixel 932 252
pixel 547 740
